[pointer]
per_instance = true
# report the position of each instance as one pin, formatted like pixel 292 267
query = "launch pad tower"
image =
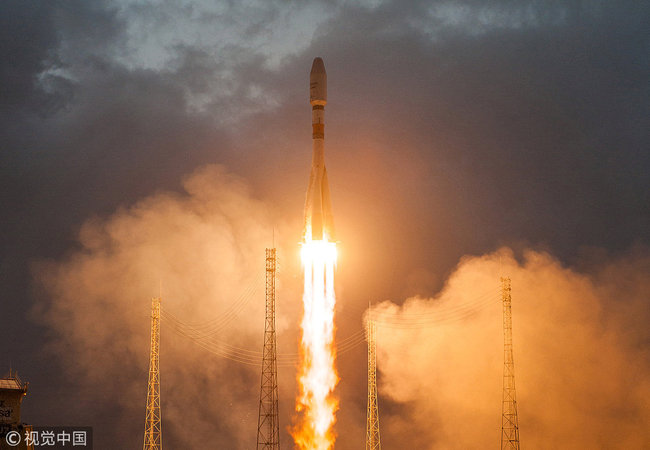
pixel 372 417
pixel 268 426
pixel 152 423
pixel 509 421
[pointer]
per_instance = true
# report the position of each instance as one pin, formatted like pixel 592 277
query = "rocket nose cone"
pixel 318 66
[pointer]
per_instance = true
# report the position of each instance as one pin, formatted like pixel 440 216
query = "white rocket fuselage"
pixel 319 221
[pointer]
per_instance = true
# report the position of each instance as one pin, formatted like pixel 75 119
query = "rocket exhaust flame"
pixel 317 375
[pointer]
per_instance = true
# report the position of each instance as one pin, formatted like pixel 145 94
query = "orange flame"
pixel 317 375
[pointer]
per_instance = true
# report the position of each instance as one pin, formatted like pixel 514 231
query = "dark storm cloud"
pixel 548 120
pixel 27 35
pixel 453 127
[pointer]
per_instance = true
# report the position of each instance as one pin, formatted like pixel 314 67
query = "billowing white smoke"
pixel 580 337
pixel 582 366
pixel 204 248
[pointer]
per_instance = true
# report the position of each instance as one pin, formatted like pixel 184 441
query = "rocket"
pixel 319 221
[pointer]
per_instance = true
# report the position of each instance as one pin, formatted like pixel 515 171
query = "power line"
pixel 209 341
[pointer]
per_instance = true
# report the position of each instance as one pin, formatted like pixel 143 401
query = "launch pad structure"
pixel 268 431
pixel 268 425
pixel 153 418
pixel 509 420
pixel 373 441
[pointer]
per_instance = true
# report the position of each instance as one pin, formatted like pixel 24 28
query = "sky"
pixel 157 147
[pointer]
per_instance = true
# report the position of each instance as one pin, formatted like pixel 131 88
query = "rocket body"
pixel 319 221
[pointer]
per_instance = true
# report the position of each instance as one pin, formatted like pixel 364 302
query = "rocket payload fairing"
pixel 319 221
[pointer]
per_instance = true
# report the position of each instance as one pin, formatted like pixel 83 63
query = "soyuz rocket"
pixel 319 221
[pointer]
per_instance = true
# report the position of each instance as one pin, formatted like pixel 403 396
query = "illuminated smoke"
pixel 581 361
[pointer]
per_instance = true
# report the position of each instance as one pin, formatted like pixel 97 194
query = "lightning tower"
pixel 372 417
pixel 268 427
pixel 152 423
pixel 509 422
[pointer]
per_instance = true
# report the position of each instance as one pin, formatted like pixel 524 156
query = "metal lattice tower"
pixel 268 425
pixel 152 423
pixel 509 421
pixel 373 442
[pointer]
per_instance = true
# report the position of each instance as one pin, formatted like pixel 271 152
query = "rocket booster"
pixel 319 221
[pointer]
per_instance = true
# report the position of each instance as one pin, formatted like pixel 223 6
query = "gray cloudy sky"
pixel 142 140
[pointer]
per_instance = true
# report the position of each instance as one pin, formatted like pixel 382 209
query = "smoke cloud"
pixel 581 360
pixel 202 249
pixel 582 365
